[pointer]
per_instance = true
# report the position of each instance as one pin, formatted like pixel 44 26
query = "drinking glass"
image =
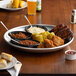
pixel 31 5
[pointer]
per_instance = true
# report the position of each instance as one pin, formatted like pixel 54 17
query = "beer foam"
pixel 32 0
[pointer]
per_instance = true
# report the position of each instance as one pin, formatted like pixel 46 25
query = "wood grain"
pixel 53 12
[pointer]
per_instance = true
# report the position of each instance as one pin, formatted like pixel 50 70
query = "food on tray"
pixel 62 31
pixel 3 63
pixel 48 40
pixel 6 56
pixel 57 40
pixel 50 35
pixel 54 42
pixel 38 37
pixel 4 59
pixel 28 42
pixel 16 4
pixel 48 43
pixel 57 28
pixel 34 30
pixel 45 34
pixel 58 36
pixel 19 35
pixel 42 36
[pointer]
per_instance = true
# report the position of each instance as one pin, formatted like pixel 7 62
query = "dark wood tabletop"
pixel 53 12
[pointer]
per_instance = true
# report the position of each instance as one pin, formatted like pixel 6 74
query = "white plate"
pixel 10 64
pixel 36 50
pixel 4 6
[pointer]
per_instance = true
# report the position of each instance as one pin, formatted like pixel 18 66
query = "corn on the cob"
pixel 16 4
pixel 21 4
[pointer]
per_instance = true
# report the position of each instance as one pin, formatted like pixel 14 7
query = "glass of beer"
pixel 31 5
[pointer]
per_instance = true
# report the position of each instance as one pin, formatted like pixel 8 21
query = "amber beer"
pixel 31 5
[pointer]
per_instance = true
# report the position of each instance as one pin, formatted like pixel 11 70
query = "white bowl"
pixel 70 56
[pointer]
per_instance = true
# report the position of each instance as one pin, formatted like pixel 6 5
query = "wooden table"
pixel 53 12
